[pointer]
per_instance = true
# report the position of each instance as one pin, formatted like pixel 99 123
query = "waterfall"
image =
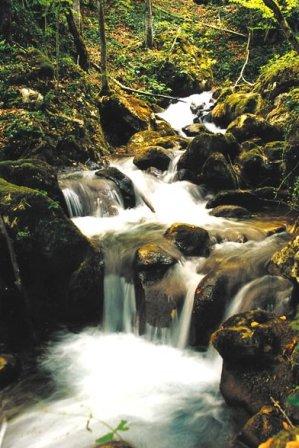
pixel 169 396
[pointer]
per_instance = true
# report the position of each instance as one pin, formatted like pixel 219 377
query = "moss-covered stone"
pixel 247 126
pixel 235 105
pixel 144 139
pixel 152 261
pixel 152 156
pixel 217 173
pixel 190 240
pixel 285 439
pixel 286 261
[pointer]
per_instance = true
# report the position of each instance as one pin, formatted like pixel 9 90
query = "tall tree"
pixel 5 18
pixel 149 32
pixel 282 21
pixel 103 46
pixel 83 58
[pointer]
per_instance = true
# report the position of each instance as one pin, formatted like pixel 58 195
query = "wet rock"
pixel 49 249
pixel 274 150
pixel 256 348
pixel 291 161
pixel 190 240
pixel 267 422
pixel 203 146
pixel 10 369
pixel 123 116
pixel 256 171
pixel 230 211
pixel 147 138
pixel 34 174
pixel 159 307
pixel 152 262
pixel 192 130
pixel 68 150
pixel 286 261
pixel 284 115
pixel 153 156
pixel 247 126
pixel 188 175
pixel 235 105
pixel 123 183
pixel 284 439
pixel 253 200
pixel 217 174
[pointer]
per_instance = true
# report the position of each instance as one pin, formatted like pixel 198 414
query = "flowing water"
pixel 167 392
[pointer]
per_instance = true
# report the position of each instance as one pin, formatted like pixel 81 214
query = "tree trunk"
pixel 5 18
pixel 78 41
pixel 103 46
pixel 149 37
pixel 290 35
pixel 77 14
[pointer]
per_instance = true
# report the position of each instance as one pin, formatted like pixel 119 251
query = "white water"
pixel 168 395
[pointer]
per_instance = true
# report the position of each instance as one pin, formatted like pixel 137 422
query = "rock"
pixel 123 183
pixel 235 105
pixel 10 369
pixel 257 171
pixel 51 252
pixel 190 240
pixel 153 156
pixel 123 116
pixel 278 76
pixel 274 150
pixel 284 114
pixel 247 126
pixel 217 174
pixel 186 175
pixel 203 146
pixel 230 211
pixel 68 150
pixel 152 262
pixel 30 96
pixel 253 200
pixel 285 439
pixel 144 139
pixel 286 261
pixel 33 173
pixel 291 161
pixel 192 130
pixel 256 348
pixel 266 423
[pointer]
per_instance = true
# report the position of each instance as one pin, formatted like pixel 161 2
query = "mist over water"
pixel 168 393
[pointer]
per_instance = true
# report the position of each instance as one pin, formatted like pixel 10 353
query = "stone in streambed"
pixel 247 126
pixel 123 183
pixel 152 262
pixel 286 261
pixel 192 130
pixel 235 105
pixel 256 348
pixel 152 156
pixel 190 240
pixel 230 211
pixel 217 174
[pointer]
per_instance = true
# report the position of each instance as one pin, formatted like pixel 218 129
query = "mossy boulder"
pixel 230 211
pixel 256 348
pixel 152 261
pixel 274 150
pixel 152 156
pixel 217 173
pixel 190 240
pixel 192 130
pixel 52 255
pixel 284 114
pixel 144 139
pixel 235 105
pixel 284 439
pixel 203 146
pixel 122 116
pixel 247 126
pixel 123 183
pixel 278 76
pixel 286 261
pixel 32 173
pixel 256 170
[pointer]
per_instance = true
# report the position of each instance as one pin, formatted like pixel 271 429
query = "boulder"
pixel 190 240
pixel 286 261
pixel 256 348
pixel 187 175
pixel 284 113
pixel 284 439
pixel 267 422
pixel 10 369
pixel 55 260
pixel 203 146
pixel 274 150
pixel 247 126
pixel 122 116
pixel 152 156
pixel 147 138
pixel 235 105
pixel 123 183
pixel 230 211
pixel 255 170
pixel 192 130
pixel 152 262
pixel 33 173
pixel 217 174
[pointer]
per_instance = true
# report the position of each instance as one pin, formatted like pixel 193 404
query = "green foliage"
pixel 287 6
pixel 114 434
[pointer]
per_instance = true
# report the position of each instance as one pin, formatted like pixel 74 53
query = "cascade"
pixel 167 392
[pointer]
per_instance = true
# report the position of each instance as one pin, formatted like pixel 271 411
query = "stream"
pixel 167 391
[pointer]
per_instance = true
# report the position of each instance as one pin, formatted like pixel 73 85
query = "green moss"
pixel 235 105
